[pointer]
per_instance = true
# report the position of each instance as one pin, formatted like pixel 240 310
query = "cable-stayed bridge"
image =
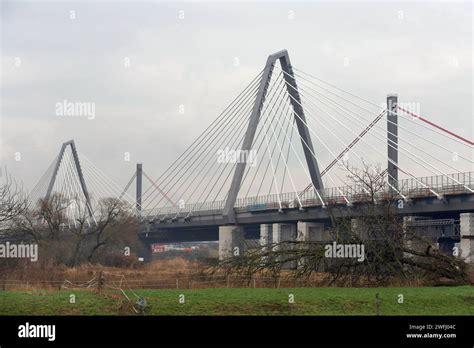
pixel 76 183
pixel 289 146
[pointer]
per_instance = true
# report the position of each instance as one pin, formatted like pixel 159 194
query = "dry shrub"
pixel 44 274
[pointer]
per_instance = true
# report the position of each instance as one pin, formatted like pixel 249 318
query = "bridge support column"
pixel 467 236
pixel 266 234
pixel 360 229
pixel 410 242
pixel 266 238
pixel 392 140
pixel 231 241
pixel 311 232
pixel 146 252
pixel 366 230
pixel 139 187
pixel 284 233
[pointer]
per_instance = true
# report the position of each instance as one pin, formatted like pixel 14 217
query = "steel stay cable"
pixel 202 136
pixel 190 149
pixel 234 139
pixel 261 162
pixel 258 150
pixel 362 140
pixel 396 164
pixel 43 179
pixel 273 171
pixel 312 153
pixel 114 188
pixel 237 117
pixel 289 148
pixel 378 126
pixel 282 89
pixel 379 152
pixel 218 135
pixel 378 106
pixel 414 155
pixel 276 113
pixel 232 168
pixel 286 165
pixel 435 125
pixel 309 128
pixel 239 141
pixel 150 180
pixel 70 188
pixel 128 184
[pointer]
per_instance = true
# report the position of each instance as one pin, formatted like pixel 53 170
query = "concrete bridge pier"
pixel 407 240
pixel 146 252
pixel 231 241
pixel 283 232
pixel 360 229
pixel 266 234
pixel 467 236
pixel 266 238
pixel 311 232
pixel 435 231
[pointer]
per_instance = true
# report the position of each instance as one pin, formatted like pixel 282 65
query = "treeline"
pixel 67 232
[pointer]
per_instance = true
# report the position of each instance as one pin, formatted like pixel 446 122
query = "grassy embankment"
pixel 307 301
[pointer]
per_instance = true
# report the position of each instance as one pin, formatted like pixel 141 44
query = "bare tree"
pixel 68 234
pixel 392 249
pixel 113 217
pixel 12 201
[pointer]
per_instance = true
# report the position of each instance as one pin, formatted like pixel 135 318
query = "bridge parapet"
pixel 423 187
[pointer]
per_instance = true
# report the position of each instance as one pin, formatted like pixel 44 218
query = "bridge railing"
pixel 441 181
pixel 410 188
pixel 200 208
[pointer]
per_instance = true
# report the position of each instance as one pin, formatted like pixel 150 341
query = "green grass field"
pixel 307 301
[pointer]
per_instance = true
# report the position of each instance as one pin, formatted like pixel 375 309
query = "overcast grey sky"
pixel 421 51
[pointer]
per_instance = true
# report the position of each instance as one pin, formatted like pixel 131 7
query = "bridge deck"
pixel 439 197
pixel 409 189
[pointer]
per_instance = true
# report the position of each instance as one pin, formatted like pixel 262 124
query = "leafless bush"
pixel 393 251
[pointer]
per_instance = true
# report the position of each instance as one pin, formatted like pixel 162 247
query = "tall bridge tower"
pixel 292 90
